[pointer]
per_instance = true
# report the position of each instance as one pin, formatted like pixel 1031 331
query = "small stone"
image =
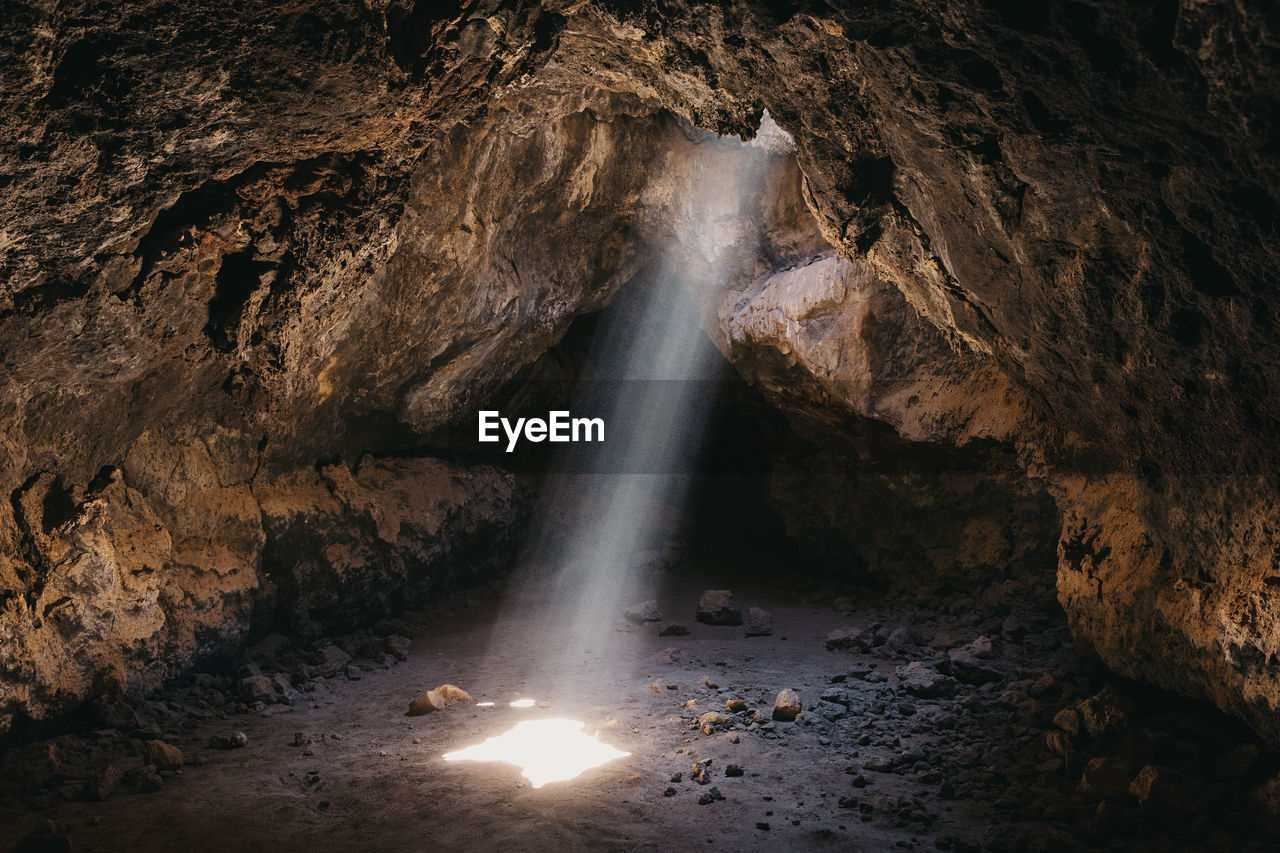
pixel 677 777
pixel 735 706
pixel 710 797
pixel 787 706
pixel 670 792
pixel 716 607
pixel 674 631
pixel 163 755
pixel 712 720
pixel 645 611
pixel 235 740
pixel 733 770
pixel 437 700
pixel 759 623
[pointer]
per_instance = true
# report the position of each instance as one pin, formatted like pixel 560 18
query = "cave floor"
pixel 912 761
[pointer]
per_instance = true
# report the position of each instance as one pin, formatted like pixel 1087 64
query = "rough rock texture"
pixel 238 242
pixel 124 599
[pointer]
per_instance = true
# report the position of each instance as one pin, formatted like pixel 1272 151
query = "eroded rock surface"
pixel 286 235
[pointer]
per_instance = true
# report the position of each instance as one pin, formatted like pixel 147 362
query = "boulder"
pixel 716 607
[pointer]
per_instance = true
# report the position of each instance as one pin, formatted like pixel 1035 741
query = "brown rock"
pixel 163 755
pixel 716 607
pixel 437 700
pixel 1105 779
pixel 787 706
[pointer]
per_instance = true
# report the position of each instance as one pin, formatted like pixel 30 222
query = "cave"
pixel 639 425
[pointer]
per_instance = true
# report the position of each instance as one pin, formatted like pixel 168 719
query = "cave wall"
pixel 238 243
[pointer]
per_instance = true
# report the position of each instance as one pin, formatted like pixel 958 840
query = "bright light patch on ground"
pixel 484 704
pixel 554 750
pixel 522 703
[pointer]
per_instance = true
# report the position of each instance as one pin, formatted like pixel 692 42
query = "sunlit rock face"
pixel 238 242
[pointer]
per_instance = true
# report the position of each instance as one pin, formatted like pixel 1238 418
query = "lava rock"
pixel 47 837
pixel 674 631
pixel 1237 762
pixel 235 740
pixel 1105 778
pixel 710 796
pixel 848 638
pixel 787 706
pixel 103 783
pixel 258 688
pixel 645 611
pixel 437 700
pixel 716 607
pixel 163 755
pixel 759 623
pixel 733 770
pixel 144 779
pixel 1165 795
pixel 1104 712
pixel 925 682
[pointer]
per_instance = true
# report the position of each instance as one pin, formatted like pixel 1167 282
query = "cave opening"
pixel 518 436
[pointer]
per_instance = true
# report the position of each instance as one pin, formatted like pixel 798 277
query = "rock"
pixel 235 740
pixel 331 661
pixel 759 623
pixel 1068 719
pixel 645 611
pixel 397 646
pixel 924 682
pixel 1237 762
pixel 47 837
pixel 118 714
pixel 787 706
pixel 712 720
pixel 1104 712
pixel 971 663
pixel 437 700
pixel 735 706
pixel 163 755
pixel 258 688
pixel 881 763
pixel 733 770
pixel 710 796
pixel 674 631
pixel 1165 795
pixel 716 607
pixel 102 784
pixel 1105 779
pixel 1264 806
pixel 848 638
pixel 144 780
pixel 830 710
